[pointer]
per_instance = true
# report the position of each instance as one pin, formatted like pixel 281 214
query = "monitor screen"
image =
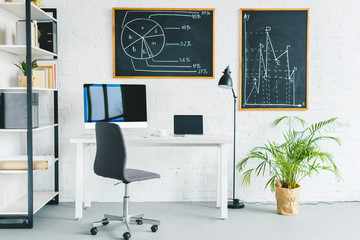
pixel 124 104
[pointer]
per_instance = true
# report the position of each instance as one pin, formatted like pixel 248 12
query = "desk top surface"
pixel 166 140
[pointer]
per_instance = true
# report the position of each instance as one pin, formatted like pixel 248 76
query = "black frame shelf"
pixel 25 218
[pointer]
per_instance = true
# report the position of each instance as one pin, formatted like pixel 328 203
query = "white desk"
pixel 221 143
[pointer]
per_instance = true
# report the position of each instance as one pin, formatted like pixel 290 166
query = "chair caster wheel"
pixel 154 228
pixel 105 221
pixel 93 231
pixel 139 222
pixel 127 235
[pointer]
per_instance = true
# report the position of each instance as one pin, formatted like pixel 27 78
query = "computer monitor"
pixel 124 104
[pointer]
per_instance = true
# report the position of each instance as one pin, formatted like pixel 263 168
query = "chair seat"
pixel 133 175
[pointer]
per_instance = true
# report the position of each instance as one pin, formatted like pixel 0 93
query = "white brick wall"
pixel 85 36
pixel 85 44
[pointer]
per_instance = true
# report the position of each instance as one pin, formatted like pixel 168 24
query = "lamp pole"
pixel 232 89
pixel 226 82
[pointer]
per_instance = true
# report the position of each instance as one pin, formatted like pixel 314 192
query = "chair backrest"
pixel 110 159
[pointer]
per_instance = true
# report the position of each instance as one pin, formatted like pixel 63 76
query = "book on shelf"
pixel 35 37
pixel 40 78
pixel 21 33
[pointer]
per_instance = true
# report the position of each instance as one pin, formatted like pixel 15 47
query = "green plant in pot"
pixel 37 3
pixel 23 68
pixel 297 157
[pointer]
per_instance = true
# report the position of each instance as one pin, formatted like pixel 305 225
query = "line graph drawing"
pixel 270 76
pixel 162 41
pixel 260 74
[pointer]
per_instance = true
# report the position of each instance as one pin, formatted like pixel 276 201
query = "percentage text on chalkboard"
pixel 202 71
pixel 185 43
pixel 186 27
pixel 184 60
pixel 196 66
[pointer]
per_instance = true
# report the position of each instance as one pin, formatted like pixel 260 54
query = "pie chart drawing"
pixel 142 39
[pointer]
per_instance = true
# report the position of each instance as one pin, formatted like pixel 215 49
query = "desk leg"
pixel 87 197
pixel 223 182
pixel 218 177
pixel 79 180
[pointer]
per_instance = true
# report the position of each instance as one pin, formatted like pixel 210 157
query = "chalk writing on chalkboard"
pixel 163 42
pixel 274 60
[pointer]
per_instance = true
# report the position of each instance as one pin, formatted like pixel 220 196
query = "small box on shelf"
pixel 13 110
pixel 48 38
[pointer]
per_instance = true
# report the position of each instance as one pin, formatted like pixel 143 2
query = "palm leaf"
pixel 22 66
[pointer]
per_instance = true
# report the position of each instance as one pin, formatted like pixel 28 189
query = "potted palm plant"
pixel 287 163
pixel 22 67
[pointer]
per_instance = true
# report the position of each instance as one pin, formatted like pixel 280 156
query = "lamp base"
pixel 235 204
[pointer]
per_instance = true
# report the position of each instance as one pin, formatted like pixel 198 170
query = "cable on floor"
pixel 306 203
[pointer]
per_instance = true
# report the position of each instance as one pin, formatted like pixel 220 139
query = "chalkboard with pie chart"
pixel 163 43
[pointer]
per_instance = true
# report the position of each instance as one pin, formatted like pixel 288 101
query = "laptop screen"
pixel 188 124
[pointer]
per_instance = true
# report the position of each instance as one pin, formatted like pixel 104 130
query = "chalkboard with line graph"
pixel 163 43
pixel 274 59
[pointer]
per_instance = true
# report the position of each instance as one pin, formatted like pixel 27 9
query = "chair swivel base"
pixel 127 220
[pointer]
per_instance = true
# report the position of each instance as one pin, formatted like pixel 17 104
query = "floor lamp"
pixel 227 83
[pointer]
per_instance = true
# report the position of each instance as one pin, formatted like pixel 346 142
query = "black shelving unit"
pixel 23 219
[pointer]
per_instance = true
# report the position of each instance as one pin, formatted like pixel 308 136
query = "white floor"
pixel 197 220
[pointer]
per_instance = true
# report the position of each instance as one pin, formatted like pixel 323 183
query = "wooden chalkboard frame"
pixel 209 75
pixel 304 83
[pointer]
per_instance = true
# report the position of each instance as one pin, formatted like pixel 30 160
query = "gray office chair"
pixel 110 162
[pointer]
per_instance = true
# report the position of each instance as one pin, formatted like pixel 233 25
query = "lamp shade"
pixel 226 81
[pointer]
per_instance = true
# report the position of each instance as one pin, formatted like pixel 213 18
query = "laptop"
pixel 188 125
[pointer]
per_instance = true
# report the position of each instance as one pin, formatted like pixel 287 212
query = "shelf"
pixel 21 50
pixel 19 171
pixel 13 171
pixel 18 9
pixel 20 206
pixel 23 89
pixel 41 127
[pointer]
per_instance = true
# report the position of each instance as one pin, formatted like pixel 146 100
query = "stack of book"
pixel 45 75
pixel 21 33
